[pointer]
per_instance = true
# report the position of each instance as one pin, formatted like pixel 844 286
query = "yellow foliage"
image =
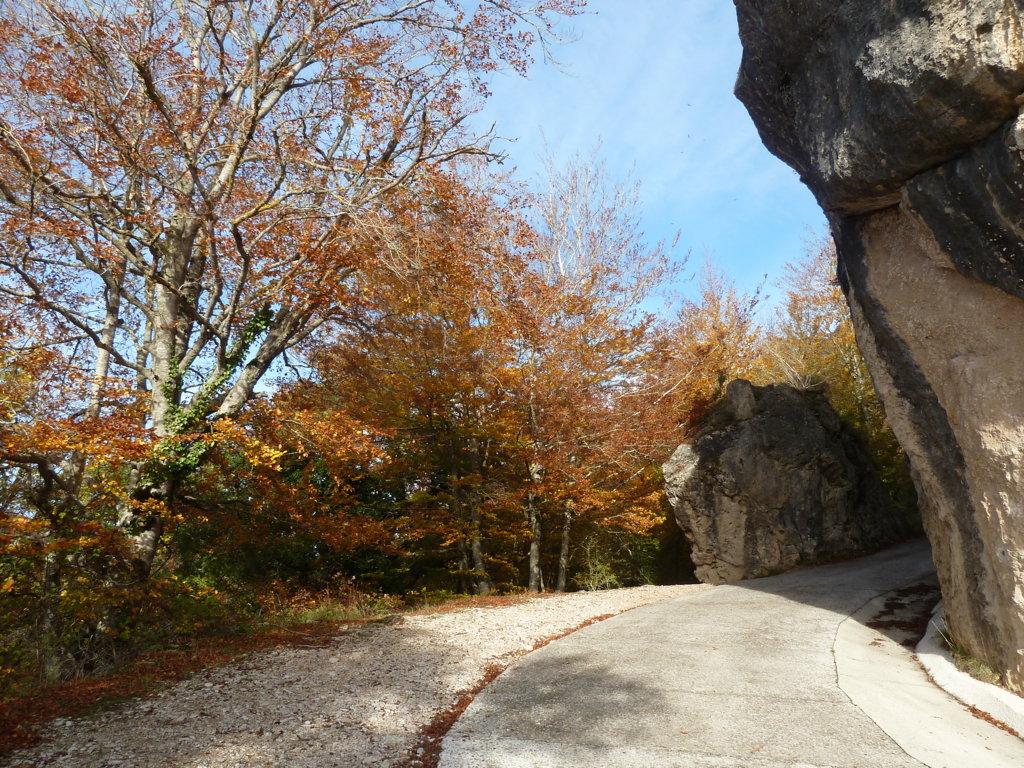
pixel 811 343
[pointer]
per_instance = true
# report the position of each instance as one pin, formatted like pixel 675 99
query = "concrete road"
pixel 741 675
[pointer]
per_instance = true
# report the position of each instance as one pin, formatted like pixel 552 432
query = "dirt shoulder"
pixel 367 698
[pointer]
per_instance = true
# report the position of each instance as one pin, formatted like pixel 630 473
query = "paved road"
pixel 741 675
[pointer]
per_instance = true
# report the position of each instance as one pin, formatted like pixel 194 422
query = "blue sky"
pixel 651 81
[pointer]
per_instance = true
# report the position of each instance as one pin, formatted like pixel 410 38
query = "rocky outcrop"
pixel 904 118
pixel 777 480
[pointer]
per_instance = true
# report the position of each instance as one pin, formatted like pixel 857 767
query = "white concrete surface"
pixel 882 678
pixel 745 675
pixel 938 662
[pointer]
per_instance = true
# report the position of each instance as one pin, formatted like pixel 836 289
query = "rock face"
pixel 904 118
pixel 780 481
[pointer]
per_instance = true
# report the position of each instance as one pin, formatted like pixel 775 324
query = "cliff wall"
pixel 904 117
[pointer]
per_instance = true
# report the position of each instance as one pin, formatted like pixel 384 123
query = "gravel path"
pixel 361 701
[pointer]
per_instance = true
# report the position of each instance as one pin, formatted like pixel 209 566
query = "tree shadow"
pixel 564 695
pixel 361 701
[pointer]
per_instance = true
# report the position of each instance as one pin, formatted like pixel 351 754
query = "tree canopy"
pixel 273 326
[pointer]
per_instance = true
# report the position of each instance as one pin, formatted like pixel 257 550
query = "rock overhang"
pixel 861 96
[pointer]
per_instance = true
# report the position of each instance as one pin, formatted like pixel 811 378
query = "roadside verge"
pixel 882 678
pixel 989 699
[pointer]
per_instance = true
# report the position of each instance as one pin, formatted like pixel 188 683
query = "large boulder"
pixel 777 480
pixel 904 118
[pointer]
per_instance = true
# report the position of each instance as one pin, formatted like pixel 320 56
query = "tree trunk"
pixel 476 548
pixel 563 553
pixel 484 584
pixel 50 646
pixel 535 581
pixel 465 585
pixel 536 577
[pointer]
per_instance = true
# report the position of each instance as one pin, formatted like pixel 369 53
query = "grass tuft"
pixel 968 664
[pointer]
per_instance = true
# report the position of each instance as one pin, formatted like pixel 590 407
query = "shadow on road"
pixel 839 586
pixel 570 696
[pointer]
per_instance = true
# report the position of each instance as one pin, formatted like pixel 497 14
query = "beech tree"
pixel 713 338
pixel 582 341
pixel 811 340
pixel 424 371
pixel 496 389
pixel 188 189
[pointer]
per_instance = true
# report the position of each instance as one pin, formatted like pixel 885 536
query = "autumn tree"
pixel 495 389
pixel 276 509
pixel 711 339
pixel 582 340
pixel 189 189
pixel 423 370
pixel 57 549
pixel 811 341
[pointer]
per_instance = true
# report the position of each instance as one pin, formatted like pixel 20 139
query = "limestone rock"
pixel 860 96
pixel 779 481
pixel 904 118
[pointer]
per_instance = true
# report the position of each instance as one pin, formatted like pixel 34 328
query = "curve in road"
pixel 741 675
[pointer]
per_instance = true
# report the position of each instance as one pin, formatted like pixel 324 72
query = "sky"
pixel 650 82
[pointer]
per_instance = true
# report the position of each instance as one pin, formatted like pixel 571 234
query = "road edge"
pixel 884 680
pixel 934 656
